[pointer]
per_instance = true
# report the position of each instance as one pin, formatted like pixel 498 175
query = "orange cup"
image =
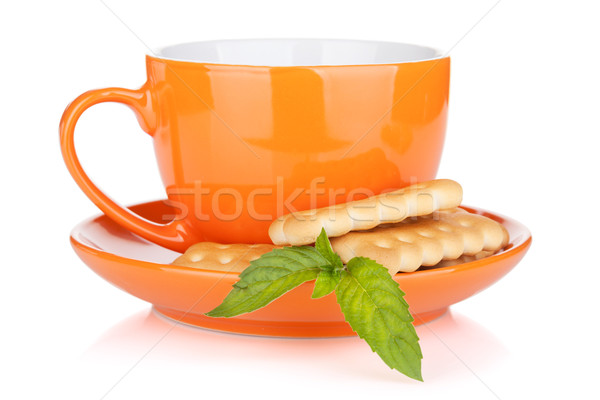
pixel 247 130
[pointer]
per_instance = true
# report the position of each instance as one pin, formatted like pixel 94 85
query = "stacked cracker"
pixel 403 230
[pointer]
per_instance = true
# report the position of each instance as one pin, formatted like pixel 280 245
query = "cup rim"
pixel 420 53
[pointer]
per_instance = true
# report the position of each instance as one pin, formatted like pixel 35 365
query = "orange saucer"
pixel 142 269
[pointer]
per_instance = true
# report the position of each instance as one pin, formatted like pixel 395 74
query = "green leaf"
pixel 374 306
pixel 326 282
pixel 323 246
pixel 269 277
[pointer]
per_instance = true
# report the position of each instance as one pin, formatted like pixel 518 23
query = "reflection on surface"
pixel 450 344
pixel 300 116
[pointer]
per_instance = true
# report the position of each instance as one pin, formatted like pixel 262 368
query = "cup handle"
pixel 172 234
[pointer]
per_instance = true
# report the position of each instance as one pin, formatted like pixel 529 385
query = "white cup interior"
pixel 297 52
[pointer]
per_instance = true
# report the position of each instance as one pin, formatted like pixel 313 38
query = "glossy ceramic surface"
pixel 238 145
pixel 142 269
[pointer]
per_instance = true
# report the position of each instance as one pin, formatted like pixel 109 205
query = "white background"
pixel 522 139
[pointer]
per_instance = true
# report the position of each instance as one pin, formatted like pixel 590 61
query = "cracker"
pixel 461 260
pixel 222 257
pixel 424 241
pixel 303 227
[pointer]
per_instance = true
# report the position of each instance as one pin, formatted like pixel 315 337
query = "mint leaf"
pixel 323 246
pixel 269 277
pixel 326 282
pixel 370 299
pixel 374 306
pixel 330 274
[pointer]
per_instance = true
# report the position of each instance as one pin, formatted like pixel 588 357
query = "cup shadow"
pixel 451 345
